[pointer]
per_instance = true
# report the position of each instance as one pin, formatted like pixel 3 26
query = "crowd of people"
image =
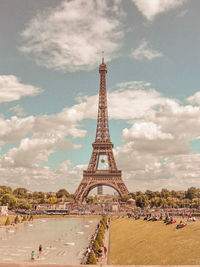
pixel 167 218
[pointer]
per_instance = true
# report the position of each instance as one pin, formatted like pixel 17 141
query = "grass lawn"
pixel 153 243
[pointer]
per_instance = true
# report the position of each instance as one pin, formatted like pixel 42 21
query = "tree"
pixel 165 193
pixel 9 200
pixel 192 192
pixel 125 198
pixel 7 221
pixel 62 193
pixel 38 195
pixel 5 190
pixel 95 246
pixel 141 201
pixel 52 200
pixel 24 218
pixel 155 202
pixel 91 258
pixel 20 192
pixel 150 194
pixel 24 205
pixel 90 200
pixel 99 239
pixel 17 220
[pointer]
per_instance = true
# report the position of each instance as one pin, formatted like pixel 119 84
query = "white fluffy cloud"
pixel 36 150
pixel 145 130
pixel 194 99
pixel 12 89
pixel 42 178
pixel 144 52
pixel 72 35
pixel 151 8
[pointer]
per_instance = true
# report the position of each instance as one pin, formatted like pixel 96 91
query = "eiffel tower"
pixel 102 146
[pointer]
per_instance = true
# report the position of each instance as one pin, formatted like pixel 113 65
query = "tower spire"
pixel 102 57
pixel 102 131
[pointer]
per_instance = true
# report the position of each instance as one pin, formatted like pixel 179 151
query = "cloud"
pixel 71 36
pixel 12 89
pixel 19 110
pixel 42 178
pixel 182 13
pixel 151 8
pixel 36 150
pixel 144 52
pixel 142 97
pixel 145 130
pixel 156 152
pixel 194 99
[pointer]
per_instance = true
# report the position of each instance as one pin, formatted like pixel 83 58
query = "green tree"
pixel 163 203
pixel 95 246
pixel 165 193
pixel 150 194
pixel 91 258
pixel 155 202
pixel 24 205
pixel 125 198
pixel 24 218
pixel 99 239
pixel 48 195
pixel 90 199
pixel 9 200
pixel 38 195
pixel 17 220
pixel 52 200
pixel 20 192
pixel 62 193
pixel 103 224
pixel 141 201
pixel 5 190
pixel 192 192
pixel 7 221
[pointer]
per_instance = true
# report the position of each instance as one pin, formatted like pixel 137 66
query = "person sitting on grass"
pixel 191 219
pixel 154 219
pixel 166 219
pixel 180 225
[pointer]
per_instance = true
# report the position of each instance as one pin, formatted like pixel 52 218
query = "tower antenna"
pixel 102 57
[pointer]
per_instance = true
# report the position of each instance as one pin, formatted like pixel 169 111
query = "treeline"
pixel 24 199
pixel 166 199
pixel 98 243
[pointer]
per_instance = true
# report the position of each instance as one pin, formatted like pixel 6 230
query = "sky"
pixel 50 51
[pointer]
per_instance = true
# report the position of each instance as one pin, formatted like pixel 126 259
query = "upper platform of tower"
pixel 102 66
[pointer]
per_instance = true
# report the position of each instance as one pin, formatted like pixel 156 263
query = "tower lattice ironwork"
pixel 102 146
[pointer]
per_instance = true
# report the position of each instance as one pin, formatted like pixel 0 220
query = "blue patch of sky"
pixel 195 146
pixel 8 146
